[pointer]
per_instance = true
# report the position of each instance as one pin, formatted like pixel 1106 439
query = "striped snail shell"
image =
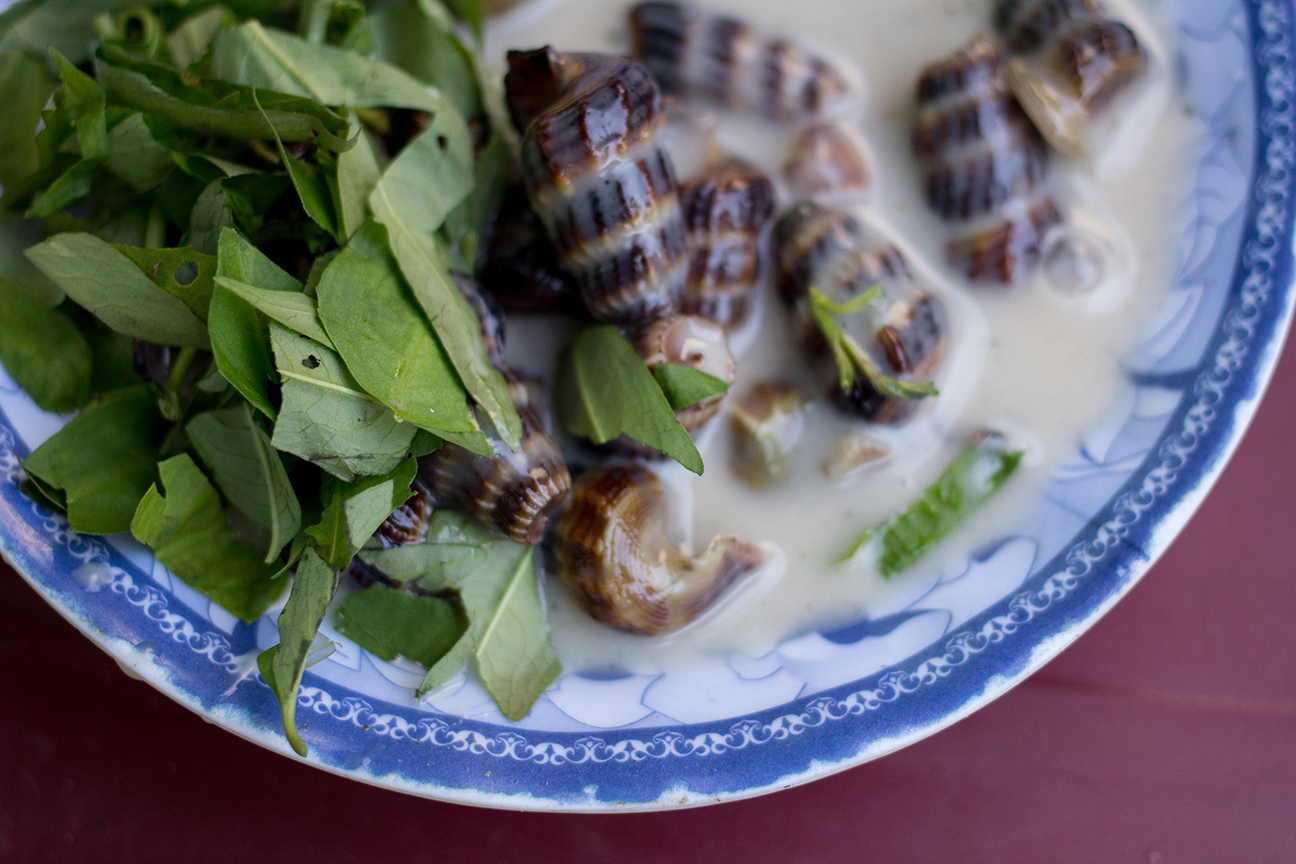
pixel 1000 252
pixel 514 493
pixel 828 158
pixel 612 550
pixel 687 340
pixel 603 187
pixel 521 267
pixel 725 212
pixel 725 60
pixel 1075 58
pixel 822 247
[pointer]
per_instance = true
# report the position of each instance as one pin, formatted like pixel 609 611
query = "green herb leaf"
pixel 290 309
pixel 110 285
pixel 442 562
pixel 850 357
pixel 214 107
pixel 248 471
pixel 466 223
pixel 419 37
pixel 183 273
pixel 212 214
pixel 239 335
pixel 135 156
pixel 388 622
pixel 685 386
pixel 67 25
pixel 354 511
pixel 326 418
pixel 87 102
pixel 385 340
pixel 271 59
pixel 357 175
pixel 185 526
pixel 103 461
pixel 43 351
pixel 282 666
pixel 25 87
pixel 603 390
pixel 965 486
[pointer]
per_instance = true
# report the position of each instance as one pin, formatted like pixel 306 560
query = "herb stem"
pixel 181 368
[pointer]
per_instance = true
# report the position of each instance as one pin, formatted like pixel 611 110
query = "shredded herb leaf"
pixel 851 359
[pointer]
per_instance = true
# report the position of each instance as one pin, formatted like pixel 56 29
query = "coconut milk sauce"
pixel 1034 361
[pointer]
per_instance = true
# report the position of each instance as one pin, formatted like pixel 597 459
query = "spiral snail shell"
pixel 1075 58
pixel 725 211
pixel 983 163
pixel 687 340
pixel 831 250
pixel 726 60
pixel 603 187
pixel 611 548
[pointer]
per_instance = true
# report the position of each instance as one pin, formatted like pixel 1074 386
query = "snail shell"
pixel 998 253
pixel 603 187
pixel 828 158
pixel 725 212
pixel 687 340
pixel 409 522
pixel 1027 25
pixel 767 426
pixel 488 313
pixel 514 493
pixel 977 148
pixel 611 548
pixel 521 266
pixel 725 60
pixel 831 250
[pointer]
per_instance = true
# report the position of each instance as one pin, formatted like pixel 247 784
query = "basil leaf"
pixel 110 285
pixel 43 351
pixel 239 335
pixel 183 273
pixel 282 666
pixel 25 87
pixel 135 156
pixel 603 390
pixel 389 622
pixel 185 526
pixel 326 418
pixel 354 511
pixel 385 340
pixel 411 200
pixel 965 486
pixel 213 107
pixel 515 657
pixel 685 386
pixel 357 175
pixel 103 460
pixel 255 56
pixel 248 470
pixel 290 309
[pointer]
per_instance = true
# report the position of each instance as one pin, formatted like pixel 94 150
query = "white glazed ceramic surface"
pixel 600 740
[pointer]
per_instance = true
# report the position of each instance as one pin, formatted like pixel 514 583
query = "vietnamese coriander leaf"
pixel 271 59
pixel 103 461
pixel 282 666
pixel 965 486
pixel 107 283
pixel 685 386
pixel 184 524
pixel 354 511
pixel 389 622
pixel 240 337
pixel 248 470
pixel 603 390
pixel 430 177
pixel 385 339
pixel 43 351
pixel 211 107
pixel 326 418
pixel 851 359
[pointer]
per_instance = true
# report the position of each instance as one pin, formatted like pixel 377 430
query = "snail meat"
pixel 601 183
pixel 611 548
pixel 726 60
pixel 687 340
pixel 828 158
pixel 767 426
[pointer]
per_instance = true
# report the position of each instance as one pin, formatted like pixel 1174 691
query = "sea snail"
pixel 725 60
pixel 611 548
pixel 983 164
pixel 687 340
pixel 905 334
pixel 601 183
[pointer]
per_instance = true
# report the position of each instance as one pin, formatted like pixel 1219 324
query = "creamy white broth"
pixel 1032 360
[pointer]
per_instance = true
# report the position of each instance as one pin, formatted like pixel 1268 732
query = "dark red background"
pixel 1167 734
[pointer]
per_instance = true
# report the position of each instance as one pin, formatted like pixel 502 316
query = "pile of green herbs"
pixel 228 244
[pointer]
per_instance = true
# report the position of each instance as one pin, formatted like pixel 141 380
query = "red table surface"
pixel 1165 735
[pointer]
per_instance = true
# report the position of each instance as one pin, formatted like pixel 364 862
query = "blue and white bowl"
pixel 824 701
